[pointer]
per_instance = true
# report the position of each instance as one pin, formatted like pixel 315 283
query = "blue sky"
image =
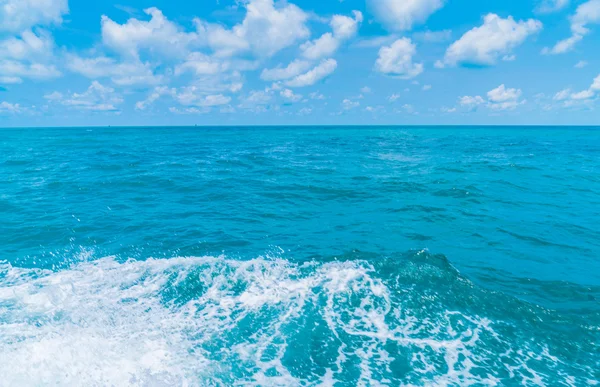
pixel 257 62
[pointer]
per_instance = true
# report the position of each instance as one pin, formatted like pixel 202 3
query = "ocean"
pixel 300 256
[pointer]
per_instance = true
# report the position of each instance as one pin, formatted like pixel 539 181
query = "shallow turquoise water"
pixel 300 256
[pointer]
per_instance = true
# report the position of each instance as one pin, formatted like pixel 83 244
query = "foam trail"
pixel 265 322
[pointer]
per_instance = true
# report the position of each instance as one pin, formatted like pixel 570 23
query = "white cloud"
pixel 562 95
pixel 317 96
pixel 19 15
pixel 12 108
pixel 128 73
pixel 14 71
pixel 402 15
pixel 348 104
pixel 502 94
pixel 157 36
pixel 28 46
pixel 426 87
pixel 502 98
pixel 290 96
pixel 596 85
pixel 343 27
pixel 375 109
pixel 195 96
pixel 586 13
pixel 55 96
pixel 397 60
pixel 471 101
pixel 281 73
pixel 585 94
pixel 394 97
pixel 322 47
pixel 191 110
pixel 265 30
pixel 564 45
pixel 495 38
pixel 29 55
pixel 319 72
pixel 582 98
pixel 581 64
pixel 158 92
pixel 96 98
pixel 201 64
pixel 549 6
pixel 365 90
pixel 257 100
pixel 9 80
pixel 499 98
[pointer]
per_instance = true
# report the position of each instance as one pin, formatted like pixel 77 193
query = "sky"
pixel 299 62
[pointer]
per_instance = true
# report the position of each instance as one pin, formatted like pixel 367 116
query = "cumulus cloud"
pixel 343 27
pixel 201 64
pixel 403 15
pixel 28 55
pixel 157 36
pixel 562 95
pixel 549 6
pixel 266 29
pixel 585 94
pixel 12 108
pixel 19 15
pixel 348 104
pixel 203 92
pixel 500 98
pixel 293 69
pixel 158 92
pixel 485 44
pixel 28 45
pixel 397 60
pixel 128 73
pixel 14 71
pixel 470 101
pixel 290 95
pixel 502 94
pixel 580 98
pixel 256 101
pixel 97 98
pixel 596 85
pixel 319 72
pixel 586 13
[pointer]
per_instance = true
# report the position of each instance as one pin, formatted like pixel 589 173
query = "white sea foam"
pixel 213 321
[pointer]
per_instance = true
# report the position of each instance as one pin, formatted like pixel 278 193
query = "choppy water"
pixel 300 256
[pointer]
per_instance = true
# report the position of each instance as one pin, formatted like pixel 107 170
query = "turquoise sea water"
pixel 300 256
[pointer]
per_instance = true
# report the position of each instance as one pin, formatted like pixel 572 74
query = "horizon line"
pixel 302 126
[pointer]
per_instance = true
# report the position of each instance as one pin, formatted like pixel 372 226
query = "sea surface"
pixel 306 256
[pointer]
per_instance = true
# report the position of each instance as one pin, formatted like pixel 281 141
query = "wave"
pixel 356 320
